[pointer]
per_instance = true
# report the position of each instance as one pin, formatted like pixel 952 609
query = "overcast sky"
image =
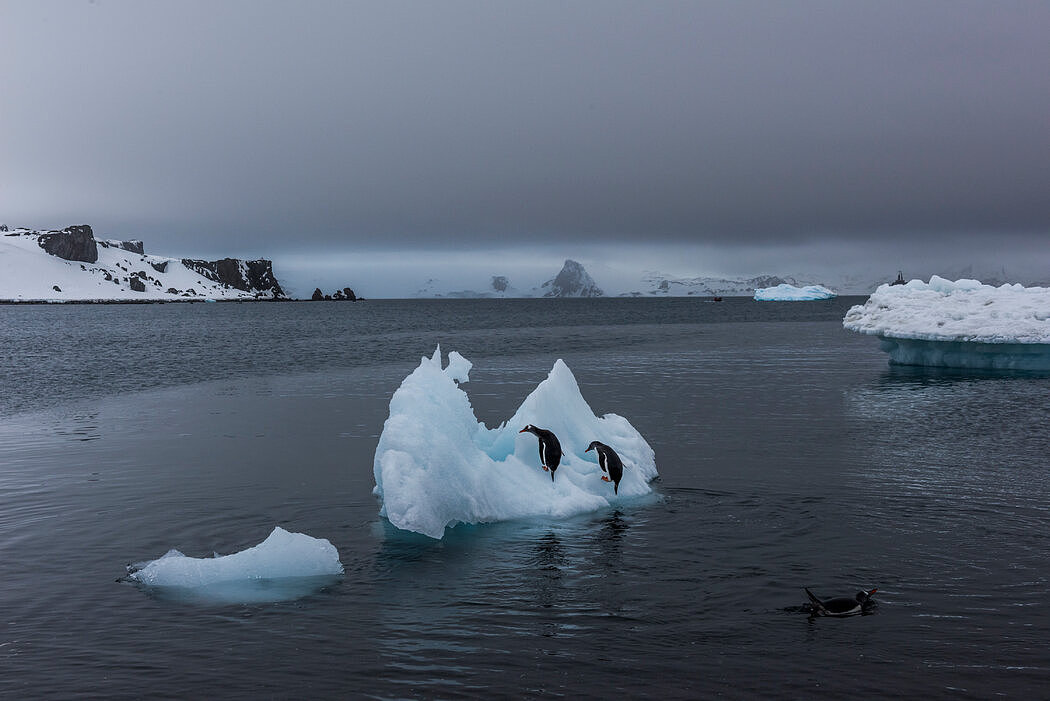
pixel 698 137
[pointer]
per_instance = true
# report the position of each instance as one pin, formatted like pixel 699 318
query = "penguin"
pixel 550 448
pixel 610 463
pixel 843 606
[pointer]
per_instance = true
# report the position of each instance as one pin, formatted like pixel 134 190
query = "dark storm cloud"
pixel 397 124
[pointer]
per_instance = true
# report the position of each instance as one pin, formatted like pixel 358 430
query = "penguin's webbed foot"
pixel 605 479
pixel 545 468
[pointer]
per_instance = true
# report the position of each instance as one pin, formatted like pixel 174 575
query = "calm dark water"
pixel 790 455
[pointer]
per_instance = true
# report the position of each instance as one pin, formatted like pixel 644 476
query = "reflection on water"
pixel 492 584
pixel 79 426
pixel 245 591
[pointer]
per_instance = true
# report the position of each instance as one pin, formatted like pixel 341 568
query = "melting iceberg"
pixel 961 324
pixel 284 566
pixel 790 293
pixel 436 465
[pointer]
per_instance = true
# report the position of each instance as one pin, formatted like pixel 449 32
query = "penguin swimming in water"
pixel 610 463
pixel 843 606
pixel 550 448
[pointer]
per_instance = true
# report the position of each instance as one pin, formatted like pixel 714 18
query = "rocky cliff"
pixel 246 275
pixel 72 243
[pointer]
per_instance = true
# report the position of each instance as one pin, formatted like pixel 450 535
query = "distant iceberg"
pixel 961 324
pixel 284 566
pixel 790 293
pixel 437 466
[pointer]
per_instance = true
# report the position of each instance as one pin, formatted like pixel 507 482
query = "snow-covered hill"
pixel 71 265
pixel 654 284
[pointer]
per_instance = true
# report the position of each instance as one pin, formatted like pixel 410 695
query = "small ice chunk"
pixel 436 465
pixel 254 574
pixel 790 293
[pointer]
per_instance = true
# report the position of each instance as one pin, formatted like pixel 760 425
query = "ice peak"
pixel 436 465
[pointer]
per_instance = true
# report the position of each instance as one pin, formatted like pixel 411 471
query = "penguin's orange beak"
pixel 588 450
pixel 873 591
pixel 521 431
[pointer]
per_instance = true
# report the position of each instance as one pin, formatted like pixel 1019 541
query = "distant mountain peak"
pixel 571 281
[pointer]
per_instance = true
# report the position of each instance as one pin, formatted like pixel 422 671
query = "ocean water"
pixel 791 454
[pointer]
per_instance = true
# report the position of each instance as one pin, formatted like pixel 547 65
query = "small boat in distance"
pixel 900 279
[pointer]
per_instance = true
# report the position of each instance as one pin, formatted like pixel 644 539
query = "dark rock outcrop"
pixel 136 284
pixel 160 267
pixel 345 294
pixel 572 281
pixel 133 246
pixel 72 243
pixel 500 283
pixel 247 275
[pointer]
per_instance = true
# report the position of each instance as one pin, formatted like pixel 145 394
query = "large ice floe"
pixel 790 293
pixel 961 324
pixel 437 466
pixel 285 566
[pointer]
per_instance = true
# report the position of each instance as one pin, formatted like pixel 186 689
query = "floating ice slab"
pixel 790 293
pixel 282 567
pixel 436 465
pixel 961 324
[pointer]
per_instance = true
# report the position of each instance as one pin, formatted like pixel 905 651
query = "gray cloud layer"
pixel 403 124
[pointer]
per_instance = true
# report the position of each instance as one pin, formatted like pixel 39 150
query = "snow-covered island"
pixel 790 293
pixel 71 265
pixel 437 466
pixel 961 324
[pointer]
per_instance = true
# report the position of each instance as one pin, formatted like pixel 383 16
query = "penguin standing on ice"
pixel 843 605
pixel 610 463
pixel 550 448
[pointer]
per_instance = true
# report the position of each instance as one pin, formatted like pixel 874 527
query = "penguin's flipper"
pixel 818 605
pixel 552 475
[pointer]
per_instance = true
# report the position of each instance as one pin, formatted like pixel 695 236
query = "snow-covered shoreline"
pixel 237 300
pixel 71 266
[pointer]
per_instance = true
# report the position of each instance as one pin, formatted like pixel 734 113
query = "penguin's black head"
pixel 592 446
pixel 863 596
pixel 529 428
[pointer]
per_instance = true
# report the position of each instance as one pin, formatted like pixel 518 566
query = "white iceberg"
pixel 282 567
pixel 790 293
pixel 436 465
pixel 961 324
